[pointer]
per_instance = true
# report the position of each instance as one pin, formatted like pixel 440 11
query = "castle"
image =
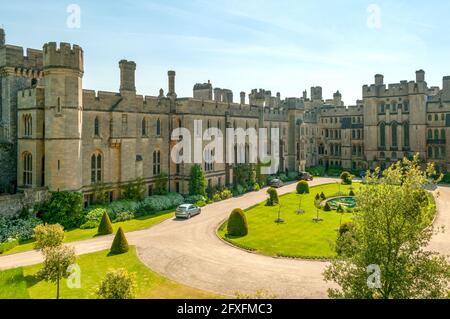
pixel 56 135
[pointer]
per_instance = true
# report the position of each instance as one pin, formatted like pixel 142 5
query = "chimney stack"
pixel 2 37
pixel 127 77
pixel 171 75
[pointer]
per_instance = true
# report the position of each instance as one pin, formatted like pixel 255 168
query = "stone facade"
pixel 63 137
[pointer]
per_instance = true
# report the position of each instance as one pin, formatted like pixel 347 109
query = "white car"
pixel 187 211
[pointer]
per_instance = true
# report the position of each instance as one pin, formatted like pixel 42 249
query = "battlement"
pixel 404 88
pixel 13 56
pixel 65 56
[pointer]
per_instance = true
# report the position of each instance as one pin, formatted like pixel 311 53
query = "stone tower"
pixel 127 77
pixel 63 73
pixel 2 36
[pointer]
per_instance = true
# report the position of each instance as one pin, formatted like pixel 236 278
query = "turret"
pixel 242 95
pixel 316 93
pixel 446 88
pixel 203 91
pixel 171 76
pixel 379 79
pixel 127 77
pixel 63 73
pixel 2 37
pixel 420 76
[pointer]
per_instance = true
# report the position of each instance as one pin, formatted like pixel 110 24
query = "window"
pixel 406 107
pixel 382 108
pixel 406 134
pixel 436 117
pixel 443 137
pixel 58 105
pixel 28 125
pixel 96 168
pixel 436 134
pixel 158 127
pixel 430 134
pixel 430 117
pixel 382 134
pixel 124 124
pixel 430 152
pixel 394 134
pixel 156 162
pixel 96 127
pixel 27 169
pixel 144 127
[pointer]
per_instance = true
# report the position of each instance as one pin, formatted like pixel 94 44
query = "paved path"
pixel 189 252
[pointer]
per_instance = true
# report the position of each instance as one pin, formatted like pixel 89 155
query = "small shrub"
pixel 123 216
pixel 346 178
pixel 135 190
pixel 237 223
pixel 302 187
pixel 8 245
pixel 200 203
pixel 256 187
pixel 317 198
pixel 118 284
pixel 327 207
pixel 161 182
pixel 322 196
pixel 48 236
pixel 273 197
pixel 120 243
pixel 195 198
pixel 283 177
pixel 292 176
pixel 93 218
pixel 216 197
pixel 105 227
pixel 226 194
pixel 197 181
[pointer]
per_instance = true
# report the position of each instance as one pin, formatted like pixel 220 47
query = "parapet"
pixel 31 98
pixel 13 56
pixel 64 56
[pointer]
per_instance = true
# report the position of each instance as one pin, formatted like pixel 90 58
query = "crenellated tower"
pixel 63 73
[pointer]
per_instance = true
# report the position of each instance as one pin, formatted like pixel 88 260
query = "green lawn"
pixel 299 235
pixel 21 283
pixel 81 234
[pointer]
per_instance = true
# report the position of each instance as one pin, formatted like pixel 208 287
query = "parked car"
pixel 305 176
pixel 187 211
pixel 276 183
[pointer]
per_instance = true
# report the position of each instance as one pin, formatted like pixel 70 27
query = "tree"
pixel 346 178
pixel 302 187
pixel 63 208
pixel 56 262
pixel 161 182
pixel 120 243
pixel 48 236
pixel 237 223
pixel 105 227
pixel 118 284
pixel 389 235
pixel 197 181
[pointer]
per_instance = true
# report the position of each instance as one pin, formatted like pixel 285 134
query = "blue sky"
pixel 284 46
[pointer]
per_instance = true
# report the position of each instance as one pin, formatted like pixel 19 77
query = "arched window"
pixel 28 125
pixel 436 134
pixel 430 134
pixel 406 134
pixel 96 168
pixel 27 169
pixel 382 134
pixel 158 127
pixel 430 152
pixel 144 127
pixel 394 134
pixel 96 126
pixel 443 137
pixel 156 163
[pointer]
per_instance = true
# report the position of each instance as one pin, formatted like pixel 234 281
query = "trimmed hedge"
pixel 273 197
pixel 120 243
pixel 237 223
pixel 17 228
pixel 105 227
pixel 157 203
pixel 302 187
pixel 8 245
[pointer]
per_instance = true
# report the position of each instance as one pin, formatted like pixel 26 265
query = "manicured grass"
pixel 299 235
pixel 82 234
pixel 21 283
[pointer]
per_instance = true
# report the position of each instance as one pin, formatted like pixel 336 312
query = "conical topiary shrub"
pixel 237 223
pixel 105 227
pixel 120 243
pixel 352 193
pixel 327 207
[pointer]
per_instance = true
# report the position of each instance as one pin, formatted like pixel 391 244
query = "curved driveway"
pixel 189 252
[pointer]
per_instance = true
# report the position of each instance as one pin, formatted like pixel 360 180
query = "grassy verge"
pixel 82 234
pixel 21 283
pixel 299 235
